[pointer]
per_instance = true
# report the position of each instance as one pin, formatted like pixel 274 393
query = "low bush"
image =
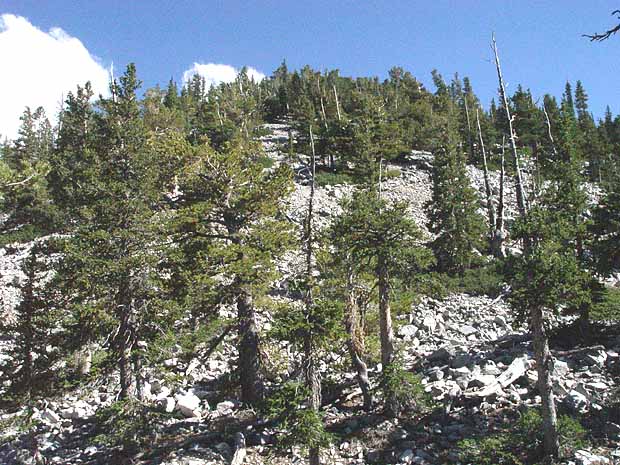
pixel 522 443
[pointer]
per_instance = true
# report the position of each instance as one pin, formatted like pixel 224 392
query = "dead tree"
pixel 354 324
pixel 496 227
pixel 521 199
pixel 540 340
pixel 487 184
pixel 311 372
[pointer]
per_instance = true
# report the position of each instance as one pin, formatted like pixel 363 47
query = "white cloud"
pixel 215 73
pixel 39 68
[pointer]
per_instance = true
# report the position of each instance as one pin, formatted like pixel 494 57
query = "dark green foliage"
pixel 406 387
pixel 31 327
pixel 326 178
pixel 128 425
pixel 288 406
pixel 452 212
pixel 521 443
pixel 606 230
pixel 370 228
pixel 24 194
pixel 607 306
pixel 550 278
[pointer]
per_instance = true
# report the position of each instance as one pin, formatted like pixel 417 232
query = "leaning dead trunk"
pixel 499 236
pixel 521 199
pixel 543 364
pixel 487 184
pixel 355 342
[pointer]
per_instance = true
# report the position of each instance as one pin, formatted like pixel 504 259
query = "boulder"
pixel 467 330
pixel 443 354
pixel 480 381
pixel 461 361
pixel 407 331
pixel 188 405
pixel 514 371
pixel 49 416
pixel 429 323
pixel 576 401
pixel 584 457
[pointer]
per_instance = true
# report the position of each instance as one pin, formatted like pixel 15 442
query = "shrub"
pixel 128 424
pixel 329 178
pixel 265 161
pixel 288 407
pixel 404 387
pixel 522 443
pixel 608 306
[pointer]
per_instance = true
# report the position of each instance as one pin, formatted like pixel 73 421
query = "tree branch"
pixel 599 37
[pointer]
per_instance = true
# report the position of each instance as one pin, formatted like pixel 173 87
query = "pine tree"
pixel 545 279
pixel 371 233
pixel 110 262
pixel 25 196
pixel 31 325
pixel 452 212
pixel 228 218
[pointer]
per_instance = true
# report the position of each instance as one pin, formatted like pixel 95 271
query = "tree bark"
pixel 355 342
pixel 249 359
pixel 497 241
pixel 386 331
pixel 123 338
pixel 543 365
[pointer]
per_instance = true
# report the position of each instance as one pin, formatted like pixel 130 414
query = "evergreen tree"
pixel 25 196
pixel 452 212
pixel 228 218
pixel 30 326
pixel 371 233
pixel 110 262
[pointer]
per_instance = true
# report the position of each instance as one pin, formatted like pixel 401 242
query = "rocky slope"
pixel 474 361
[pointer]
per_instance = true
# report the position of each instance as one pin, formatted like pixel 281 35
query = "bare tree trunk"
pixel 249 358
pixel 337 103
pixel 521 199
pixel 123 338
pixel 313 379
pixel 499 235
pixel 386 330
pixel 27 306
pixel 487 185
pixel 550 134
pixel 355 342
pixel 323 114
pixel 543 365
pixel 470 139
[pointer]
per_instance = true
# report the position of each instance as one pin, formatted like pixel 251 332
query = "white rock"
pixel 188 404
pixel 407 331
pixel 168 404
pixel 559 368
pixel 584 457
pixel 407 456
pixel 50 416
pixel 514 371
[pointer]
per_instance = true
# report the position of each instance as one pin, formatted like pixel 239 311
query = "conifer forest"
pixel 312 268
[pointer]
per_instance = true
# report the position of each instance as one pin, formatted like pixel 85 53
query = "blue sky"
pixel 540 41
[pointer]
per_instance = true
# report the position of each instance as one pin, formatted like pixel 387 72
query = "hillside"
pixel 474 360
